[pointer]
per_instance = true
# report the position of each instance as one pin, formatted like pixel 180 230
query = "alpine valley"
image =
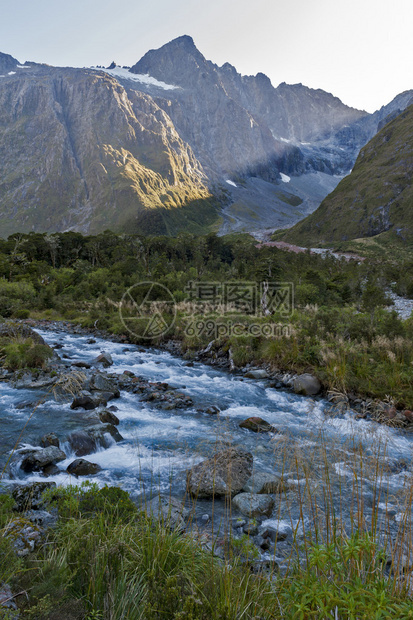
pixel 174 143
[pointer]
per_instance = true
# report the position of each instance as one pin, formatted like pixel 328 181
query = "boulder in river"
pixel 82 443
pixel 84 400
pixel 108 417
pixel 50 440
pixel 102 398
pixel 29 496
pixel 261 482
pixel 253 504
pixel 257 425
pixel 36 460
pixel 100 430
pixel 81 467
pixel 102 383
pixel 170 511
pixel 105 359
pixel 225 473
pixel 87 441
pixel 306 384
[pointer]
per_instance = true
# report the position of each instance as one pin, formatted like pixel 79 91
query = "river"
pixel 159 446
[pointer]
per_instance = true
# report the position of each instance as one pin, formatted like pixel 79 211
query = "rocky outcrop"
pixel 80 152
pixel 223 474
pixel 7 63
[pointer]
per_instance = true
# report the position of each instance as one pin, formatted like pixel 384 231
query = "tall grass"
pixel 347 557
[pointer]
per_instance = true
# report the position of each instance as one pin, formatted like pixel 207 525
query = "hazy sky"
pixel 360 50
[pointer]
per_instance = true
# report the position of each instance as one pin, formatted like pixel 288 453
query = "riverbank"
pixel 307 463
pixel 100 558
pixel 218 353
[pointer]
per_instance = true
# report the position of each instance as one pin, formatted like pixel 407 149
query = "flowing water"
pixel 159 446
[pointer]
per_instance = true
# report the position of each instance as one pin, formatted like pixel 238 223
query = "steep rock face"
pixel 225 135
pixel 7 63
pixel 245 113
pixel 375 199
pixel 155 148
pixel 79 152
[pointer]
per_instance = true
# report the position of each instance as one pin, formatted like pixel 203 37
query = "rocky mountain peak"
pixel 7 63
pixel 178 62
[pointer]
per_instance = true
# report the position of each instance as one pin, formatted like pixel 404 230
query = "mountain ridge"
pixel 376 199
pixel 158 147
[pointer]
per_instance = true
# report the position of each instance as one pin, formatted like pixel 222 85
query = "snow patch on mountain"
pixel 285 178
pixel 230 182
pixel 125 74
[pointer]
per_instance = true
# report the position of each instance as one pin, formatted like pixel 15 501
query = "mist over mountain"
pixel 173 143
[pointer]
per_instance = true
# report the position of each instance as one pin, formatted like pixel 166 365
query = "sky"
pixel 359 50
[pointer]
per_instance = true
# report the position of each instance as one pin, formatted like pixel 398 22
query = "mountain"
pixel 375 199
pixel 79 152
pixel 7 64
pixel 173 143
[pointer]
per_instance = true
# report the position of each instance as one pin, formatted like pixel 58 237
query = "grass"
pixel 346 560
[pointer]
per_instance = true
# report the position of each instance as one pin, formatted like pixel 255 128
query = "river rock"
pixel 88 440
pixel 50 440
pixel 263 483
pixel 100 430
pixel 84 401
pixel 257 425
pixel 259 373
pixel 108 417
pixel 253 504
pixel 223 474
pixel 42 517
pixel 29 381
pixel 82 443
pixel 29 496
pixel 169 510
pixel 81 364
pixel 306 384
pixel 102 398
pixel 37 459
pixel 105 359
pixel 274 535
pixel 102 383
pixel 51 470
pixel 81 467
pixel 250 529
pixel 24 535
pixel 7 603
